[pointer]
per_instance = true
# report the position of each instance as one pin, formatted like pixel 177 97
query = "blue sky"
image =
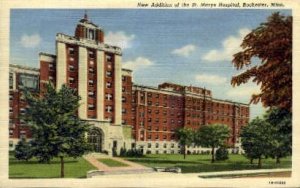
pixel 191 47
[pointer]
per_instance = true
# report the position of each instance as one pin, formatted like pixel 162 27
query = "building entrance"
pixel 95 138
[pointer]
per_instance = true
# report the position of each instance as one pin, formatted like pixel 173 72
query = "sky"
pixel 183 46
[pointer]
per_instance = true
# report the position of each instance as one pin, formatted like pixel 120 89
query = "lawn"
pixel 112 163
pixel 74 168
pixel 202 163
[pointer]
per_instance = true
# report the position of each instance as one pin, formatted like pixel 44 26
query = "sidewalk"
pixel 130 168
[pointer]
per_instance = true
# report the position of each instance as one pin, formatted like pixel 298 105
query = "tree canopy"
pixel 281 122
pixel 271 43
pixel 212 136
pixel 185 138
pixel 256 139
pixel 56 129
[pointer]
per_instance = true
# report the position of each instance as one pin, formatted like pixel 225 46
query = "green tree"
pixel 212 136
pixel 281 122
pixel 271 43
pixel 56 129
pixel 185 138
pixel 256 139
pixel 23 150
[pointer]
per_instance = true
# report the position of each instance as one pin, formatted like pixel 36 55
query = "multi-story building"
pixel 125 114
pixel 20 76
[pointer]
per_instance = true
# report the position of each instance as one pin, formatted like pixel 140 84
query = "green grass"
pixel 202 163
pixel 112 163
pixel 74 168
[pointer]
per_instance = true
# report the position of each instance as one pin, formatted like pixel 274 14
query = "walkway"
pixel 93 159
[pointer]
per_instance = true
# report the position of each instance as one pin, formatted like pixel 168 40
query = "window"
pixel 108 84
pixel 91 54
pixel 91 93
pixel 123 99
pixel 71 68
pixel 149 137
pixel 149 145
pixel 108 97
pixel 123 121
pixel 71 80
pixel 91 82
pixel 172 145
pixel 71 58
pixel 10 110
pixel 108 73
pixel 149 128
pixel 91 70
pixel 108 109
pixel 150 103
pixel 28 81
pixel 51 67
pixel 123 89
pixel 23 134
pixel 108 57
pixel 165 137
pixel 91 107
pixel 22 111
pixel 149 111
pixel 71 51
pixel 165 145
pixel 123 111
pixel 91 34
pixel 149 95
pixel 157 144
pixel 10 97
pixel 123 78
pixel 92 63
pixel 157 96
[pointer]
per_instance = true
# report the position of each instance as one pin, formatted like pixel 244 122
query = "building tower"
pixel 84 62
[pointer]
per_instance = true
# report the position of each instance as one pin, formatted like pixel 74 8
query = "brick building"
pixel 124 114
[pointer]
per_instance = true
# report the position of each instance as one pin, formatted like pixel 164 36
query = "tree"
pixel 256 139
pixel 212 136
pixel 23 150
pixel 281 122
pixel 271 43
pixel 221 154
pixel 56 129
pixel 185 138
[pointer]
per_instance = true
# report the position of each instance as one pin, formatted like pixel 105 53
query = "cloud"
pixel 211 79
pixel 30 41
pixel 120 39
pixel 243 91
pixel 230 46
pixel 138 63
pixel 184 51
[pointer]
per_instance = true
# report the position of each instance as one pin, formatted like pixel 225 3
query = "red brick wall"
pixel 109 67
pixel 127 100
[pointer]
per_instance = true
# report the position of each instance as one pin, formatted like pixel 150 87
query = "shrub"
pixel 221 154
pixel 114 152
pixel 122 152
pixel 23 150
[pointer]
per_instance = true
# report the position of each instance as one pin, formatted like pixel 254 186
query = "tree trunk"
pixel 277 160
pixel 184 151
pixel 251 161
pixel 213 155
pixel 62 168
pixel 259 162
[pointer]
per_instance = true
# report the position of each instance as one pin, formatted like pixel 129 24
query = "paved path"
pixel 93 159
